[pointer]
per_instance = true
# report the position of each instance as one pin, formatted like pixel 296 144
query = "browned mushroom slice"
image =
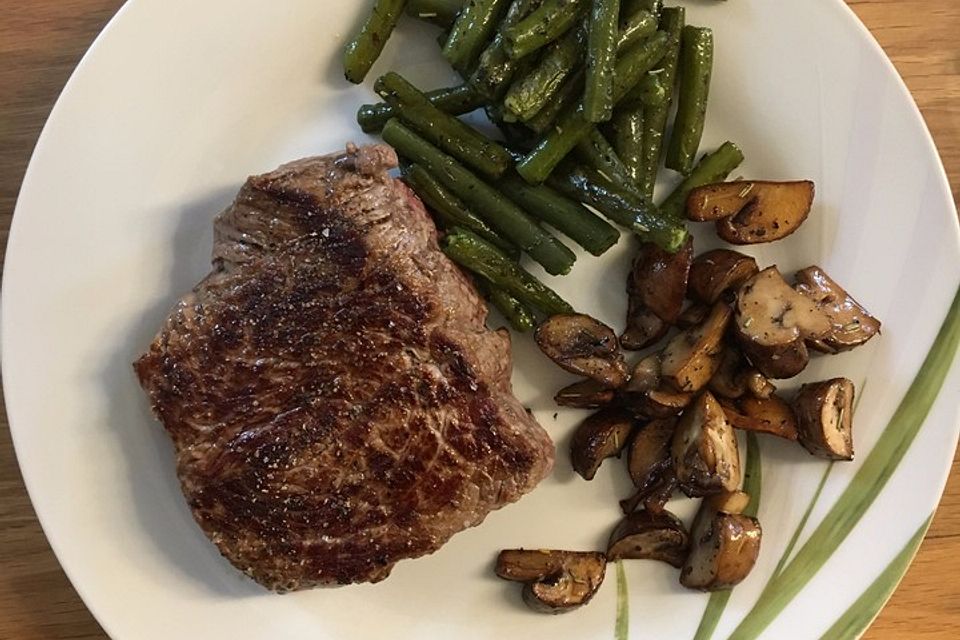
pixel 765 415
pixel 644 328
pixel 645 375
pixel 825 418
pixel 727 381
pixel 601 436
pixel 658 279
pixel 717 272
pixel 691 357
pixel 771 323
pixel 583 345
pixel 725 546
pixel 649 536
pixel 704 449
pixel 556 581
pixel 852 324
pixel 757 383
pixel 661 402
pixel 752 212
pixel 693 314
pixel 586 394
pixel 649 451
pixel 656 495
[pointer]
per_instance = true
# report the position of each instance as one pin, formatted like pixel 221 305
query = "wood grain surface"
pixel 41 42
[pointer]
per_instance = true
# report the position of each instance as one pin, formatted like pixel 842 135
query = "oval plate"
pixel 177 102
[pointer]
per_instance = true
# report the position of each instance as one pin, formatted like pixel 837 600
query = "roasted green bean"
pixel 505 217
pixel 550 21
pixel 453 100
pixel 445 131
pixel 713 167
pixel 570 218
pixel 366 46
pixel 471 32
pixel 596 151
pixel 627 139
pixel 479 256
pixel 496 69
pixel 515 312
pixel 696 64
pixel 601 59
pixel 451 210
pixel 530 93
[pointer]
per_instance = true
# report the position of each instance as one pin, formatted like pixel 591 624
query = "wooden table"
pixel 41 42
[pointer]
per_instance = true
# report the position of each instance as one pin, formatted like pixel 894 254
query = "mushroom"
pixel 751 212
pixel 583 345
pixel 852 325
pixel 645 375
pixel 656 286
pixel 586 394
pixel 601 436
pixel 661 402
pixel 765 415
pixel 825 418
pixel 727 381
pixel 649 451
pixel 717 272
pixel 693 314
pixel 691 357
pixel 757 383
pixel 556 581
pixel 725 544
pixel 771 323
pixel 655 496
pixel 704 449
pixel 649 536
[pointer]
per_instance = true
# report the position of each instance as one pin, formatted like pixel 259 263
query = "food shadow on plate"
pixel 153 489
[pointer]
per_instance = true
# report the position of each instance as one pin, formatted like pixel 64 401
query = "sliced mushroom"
pixel 725 546
pixel 656 495
pixel 603 435
pixel 852 324
pixel 586 394
pixel 658 279
pixel 704 449
pixel 765 415
pixel 771 323
pixel 691 357
pixel 727 381
pixel 583 345
pixel 752 212
pixel 717 272
pixel 728 501
pixel 644 328
pixel 662 402
pixel 757 383
pixel 693 314
pixel 650 451
pixel 556 581
pixel 825 418
pixel 645 375
pixel 649 536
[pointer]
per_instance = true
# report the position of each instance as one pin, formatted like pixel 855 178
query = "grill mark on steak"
pixel 335 400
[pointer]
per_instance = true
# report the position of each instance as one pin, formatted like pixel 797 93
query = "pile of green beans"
pixel 582 91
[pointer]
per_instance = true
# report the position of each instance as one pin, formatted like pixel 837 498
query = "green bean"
pixel 443 130
pixel 637 26
pixel 713 167
pixel 601 59
pixel 649 92
pixel 515 312
pixel 503 216
pixel 365 48
pixel 655 117
pixel 696 63
pixel 450 209
pixel 626 208
pixel 550 21
pixel 476 254
pixel 596 151
pixel 471 32
pixel 627 138
pixel 439 12
pixel 653 6
pixel 578 223
pixel 571 126
pixel 531 92
pixel 496 69
pixel 566 97
pixel 453 100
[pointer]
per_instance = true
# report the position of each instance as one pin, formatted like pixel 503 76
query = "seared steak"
pixel 335 400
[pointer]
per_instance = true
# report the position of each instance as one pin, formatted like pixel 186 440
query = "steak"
pixel 335 401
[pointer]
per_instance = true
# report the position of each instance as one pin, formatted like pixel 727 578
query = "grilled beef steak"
pixel 335 400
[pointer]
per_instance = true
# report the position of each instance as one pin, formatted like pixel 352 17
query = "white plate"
pixel 178 101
